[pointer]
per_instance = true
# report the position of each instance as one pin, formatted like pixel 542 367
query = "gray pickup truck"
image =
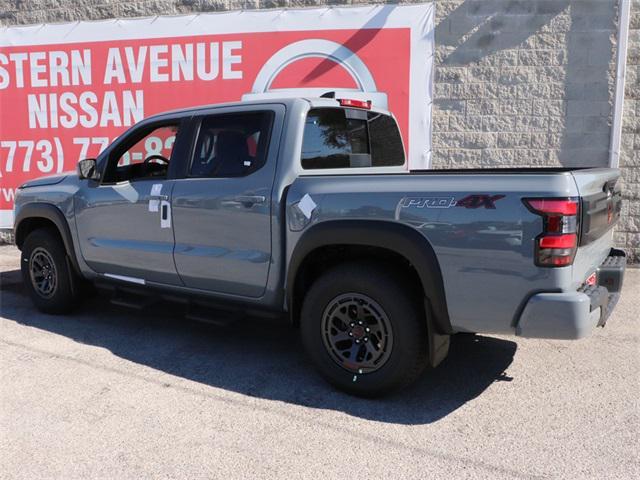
pixel 304 209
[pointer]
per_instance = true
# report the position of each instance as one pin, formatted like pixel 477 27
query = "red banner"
pixel 66 101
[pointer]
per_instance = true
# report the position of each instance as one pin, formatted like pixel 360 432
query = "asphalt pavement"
pixel 109 393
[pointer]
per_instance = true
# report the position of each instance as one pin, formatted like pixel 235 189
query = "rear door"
pixel 222 208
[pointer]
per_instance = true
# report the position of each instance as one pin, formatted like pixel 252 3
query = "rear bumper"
pixel 574 315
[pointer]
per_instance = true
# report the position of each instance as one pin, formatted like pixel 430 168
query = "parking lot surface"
pixel 115 394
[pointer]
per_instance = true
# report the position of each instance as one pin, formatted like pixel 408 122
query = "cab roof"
pixel 313 102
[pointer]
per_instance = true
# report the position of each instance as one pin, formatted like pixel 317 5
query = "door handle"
pixel 165 214
pixel 159 197
pixel 250 200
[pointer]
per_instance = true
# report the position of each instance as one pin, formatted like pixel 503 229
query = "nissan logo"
pixel 316 48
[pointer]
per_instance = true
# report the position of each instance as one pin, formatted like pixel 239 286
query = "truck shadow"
pixel 261 359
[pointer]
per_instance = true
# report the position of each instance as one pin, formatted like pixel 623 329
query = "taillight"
pixel 556 245
pixel 348 102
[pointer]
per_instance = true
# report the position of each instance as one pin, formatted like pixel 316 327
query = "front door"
pixel 222 209
pixel 124 221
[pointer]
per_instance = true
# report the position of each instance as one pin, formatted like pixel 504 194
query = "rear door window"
pixel 350 138
pixel 231 145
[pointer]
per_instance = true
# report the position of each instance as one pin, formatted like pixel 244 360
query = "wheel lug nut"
pixel 357 341
pixel 351 334
pixel 366 339
pixel 367 329
pixel 360 322
pixel 352 324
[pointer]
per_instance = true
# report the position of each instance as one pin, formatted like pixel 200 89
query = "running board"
pixel 210 316
pixel 131 301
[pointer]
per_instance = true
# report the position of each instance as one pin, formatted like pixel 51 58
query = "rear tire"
pixel 358 301
pixel 47 273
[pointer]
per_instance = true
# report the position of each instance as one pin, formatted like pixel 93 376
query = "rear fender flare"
pixel 395 237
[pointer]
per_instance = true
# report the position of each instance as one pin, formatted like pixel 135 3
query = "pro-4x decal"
pixel 470 201
pixel 478 201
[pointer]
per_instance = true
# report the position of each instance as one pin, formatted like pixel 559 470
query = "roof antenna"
pixel 328 95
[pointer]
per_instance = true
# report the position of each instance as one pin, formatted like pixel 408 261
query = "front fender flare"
pixel 53 214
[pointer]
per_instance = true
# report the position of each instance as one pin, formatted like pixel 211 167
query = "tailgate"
pixel 600 205
pixel 601 201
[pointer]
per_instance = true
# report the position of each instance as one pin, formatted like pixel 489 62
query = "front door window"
pixel 145 156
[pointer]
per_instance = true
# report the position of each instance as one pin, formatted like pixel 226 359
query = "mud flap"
pixel 73 281
pixel 438 343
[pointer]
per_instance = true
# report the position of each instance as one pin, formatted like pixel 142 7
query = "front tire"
pixel 46 273
pixel 364 329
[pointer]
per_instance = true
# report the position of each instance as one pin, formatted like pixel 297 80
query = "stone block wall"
pixel 517 82
pixel 628 233
pixel 524 83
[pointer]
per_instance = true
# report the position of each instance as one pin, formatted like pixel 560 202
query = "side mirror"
pixel 88 169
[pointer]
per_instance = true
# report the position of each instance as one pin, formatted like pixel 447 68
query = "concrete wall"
pixel 629 232
pixel 518 82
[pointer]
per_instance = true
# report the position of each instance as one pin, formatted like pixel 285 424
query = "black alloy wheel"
pixel 363 326
pixel 357 333
pixel 47 273
pixel 43 273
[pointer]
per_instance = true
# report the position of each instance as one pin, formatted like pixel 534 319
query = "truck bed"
pixel 486 249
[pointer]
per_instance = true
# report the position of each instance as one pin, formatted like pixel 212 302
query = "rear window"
pixel 350 138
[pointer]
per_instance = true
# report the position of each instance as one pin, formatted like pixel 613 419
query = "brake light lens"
pixel 348 102
pixel 558 241
pixel 556 245
pixel 554 206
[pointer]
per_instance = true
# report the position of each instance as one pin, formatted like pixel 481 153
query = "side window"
pixel 146 155
pixel 348 138
pixel 231 145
